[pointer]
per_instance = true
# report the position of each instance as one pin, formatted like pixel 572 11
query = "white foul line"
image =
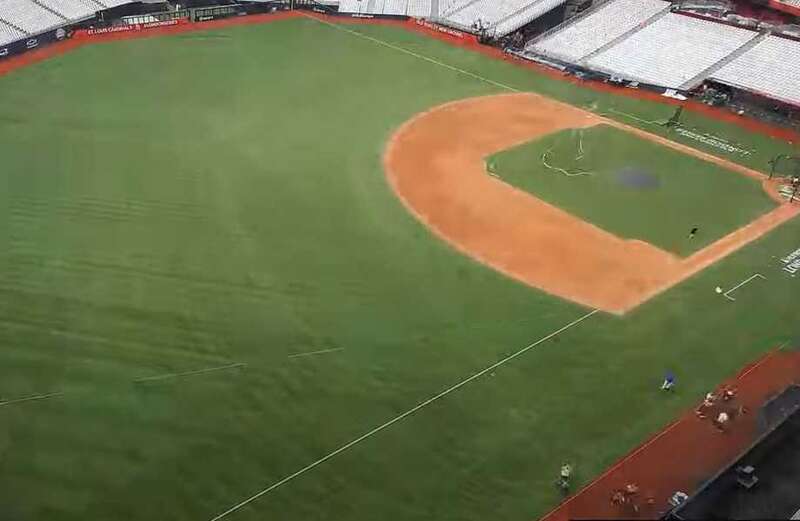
pixel 640 120
pixel 396 419
pixel 188 373
pixel 31 398
pixel 727 296
pixel 412 53
pixel 312 353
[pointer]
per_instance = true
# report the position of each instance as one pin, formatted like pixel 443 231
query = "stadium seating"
pixel 771 67
pixel 9 34
pixel 525 16
pixel 417 8
pixel 672 50
pixel 115 3
pixel 73 9
pixel 28 16
pixel 399 7
pixel 447 6
pixel 490 12
pixel 591 32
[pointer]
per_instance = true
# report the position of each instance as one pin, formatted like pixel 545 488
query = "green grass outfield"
pixel 605 175
pixel 179 203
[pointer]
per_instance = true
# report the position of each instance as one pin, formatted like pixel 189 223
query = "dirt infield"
pixel 687 453
pixel 435 164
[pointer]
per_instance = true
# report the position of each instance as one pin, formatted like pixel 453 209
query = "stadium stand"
pixel 771 68
pixel 9 34
pixel 673 51
pixel 577 39
pixel 73 10
pixel 115 3
pixel 525 16
pixel 417 8
pixel 28 16
pixel 498 17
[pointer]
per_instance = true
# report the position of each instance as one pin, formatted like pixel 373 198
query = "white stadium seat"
pixel 524 16
pixel 28 16
pixel 593 31
pixel 672 50
pixel 72 9
pixel 489 12
pixel 415 8
pixel 771 67
pixel 9 34
pixel 115 3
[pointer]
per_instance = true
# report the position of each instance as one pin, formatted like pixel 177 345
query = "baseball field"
pixel 238 279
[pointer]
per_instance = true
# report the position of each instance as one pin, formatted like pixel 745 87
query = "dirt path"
pixel 435 164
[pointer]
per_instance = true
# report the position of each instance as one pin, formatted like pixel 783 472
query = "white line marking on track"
pixel 412 53
pixel 312 353
pixel 31 398
pixel 188 373
pixel 402 416
pixel 756 276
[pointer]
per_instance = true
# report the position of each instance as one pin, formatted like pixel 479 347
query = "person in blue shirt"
pixel 669 381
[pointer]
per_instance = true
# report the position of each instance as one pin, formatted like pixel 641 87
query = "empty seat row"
pixel 672 50
pixel 598 28
pixel 73 9
pixel 9 34
pixel 486 13
pixel 21 18
pixel 771 67
pixel 28 16
pixel 416 8
pixel 525 16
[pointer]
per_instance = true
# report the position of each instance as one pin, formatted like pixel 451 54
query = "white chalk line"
pixel 631 116
pixel 312 353
pixel 400 417
pixel 31 398
pixel 761 362
pixel 414 54
pixel 189 373
pixel 727 293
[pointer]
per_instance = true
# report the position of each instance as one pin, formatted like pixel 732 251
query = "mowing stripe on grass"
pixel 189 373
pixel 402 416
pixel 414 54
pixel 312 353
pixel 137 380
pixel 31 398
